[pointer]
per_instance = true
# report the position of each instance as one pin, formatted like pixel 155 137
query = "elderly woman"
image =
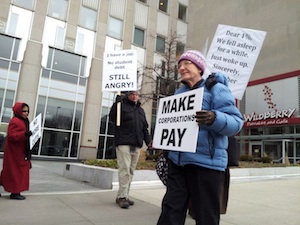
pixel 198 176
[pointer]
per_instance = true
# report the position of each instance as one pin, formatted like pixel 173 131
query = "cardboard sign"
pixel 119 71
pixel 176 127
pixel 234 51
pixel 36 129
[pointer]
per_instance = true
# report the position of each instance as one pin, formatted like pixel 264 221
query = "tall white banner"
pixel 234 51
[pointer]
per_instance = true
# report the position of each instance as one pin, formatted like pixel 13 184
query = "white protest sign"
pixel 35 127
pixel 234 51
pixel 119 71
pixel 176 128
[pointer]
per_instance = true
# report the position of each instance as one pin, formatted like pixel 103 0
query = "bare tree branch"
pixel 163 77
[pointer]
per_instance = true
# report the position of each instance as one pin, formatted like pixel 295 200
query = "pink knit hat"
pixel 195 57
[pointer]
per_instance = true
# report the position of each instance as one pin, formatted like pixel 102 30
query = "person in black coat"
pixel 130 135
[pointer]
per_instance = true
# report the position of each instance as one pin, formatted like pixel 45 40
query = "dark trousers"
pixel 200 184
pixel 224 191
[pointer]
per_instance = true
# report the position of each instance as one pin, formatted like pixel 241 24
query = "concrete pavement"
pixel 54 199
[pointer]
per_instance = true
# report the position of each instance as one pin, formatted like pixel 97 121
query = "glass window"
pixel 55 143
pixel 75 145
pixel 7 106
pixel 61 101
pixel 274 130
pixel 59 114
pixel 160 44
pixel 9 47
pixel 115 28
pixel 70 79
pixel 6 44
pixel 106 148
pixel 84 45
pixel 9 75
pixel 182 12
pixel 19 25
pixel 28 4
pixel 88 18
pixel 256 131
pixel 179 49
pixel 58 9
pixel 104 120
pixel 78 116
pixel 138 38
pixel 64 61
pixel 297 127
pixel 154 113
pixel 163 5
pixel 59 37
pixel 144 1
pixel 12 28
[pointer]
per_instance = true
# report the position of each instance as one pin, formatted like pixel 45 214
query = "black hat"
pixel 131 92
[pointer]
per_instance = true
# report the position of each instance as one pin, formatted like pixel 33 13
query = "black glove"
pixel 204 117
pixel 28 133
pixel 118 98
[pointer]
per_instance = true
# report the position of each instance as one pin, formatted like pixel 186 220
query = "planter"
pixel 107 178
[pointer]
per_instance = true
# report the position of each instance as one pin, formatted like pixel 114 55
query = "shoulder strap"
pixel 211 81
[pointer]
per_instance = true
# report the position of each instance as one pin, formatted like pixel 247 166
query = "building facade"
pixel 270 104
pixel 51 56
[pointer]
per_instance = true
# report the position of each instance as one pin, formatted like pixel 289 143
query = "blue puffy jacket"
pixel 212 140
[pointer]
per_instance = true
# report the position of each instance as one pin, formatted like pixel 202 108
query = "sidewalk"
pixel 56 200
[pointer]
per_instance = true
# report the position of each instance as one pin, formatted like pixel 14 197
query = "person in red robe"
pixel 16 160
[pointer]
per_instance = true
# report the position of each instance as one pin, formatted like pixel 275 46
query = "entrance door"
pixel 256 149
pixel 273 149
pixel 277 150
pixel 291 150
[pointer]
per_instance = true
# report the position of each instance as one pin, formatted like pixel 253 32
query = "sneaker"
pixel 17 197
pixel 123 203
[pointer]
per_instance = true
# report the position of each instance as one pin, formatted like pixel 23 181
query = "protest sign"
pixel 35 127
pixel 119 71
pixel 176 128
pixel 234 51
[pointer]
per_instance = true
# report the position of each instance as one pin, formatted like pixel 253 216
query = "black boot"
pixel 17 196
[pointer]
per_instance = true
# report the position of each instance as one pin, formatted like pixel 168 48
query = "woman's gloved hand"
pixel 205 117
pixel 28 133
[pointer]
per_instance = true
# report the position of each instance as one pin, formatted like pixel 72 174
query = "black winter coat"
pixel 133 129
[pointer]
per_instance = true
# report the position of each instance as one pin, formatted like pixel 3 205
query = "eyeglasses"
pixel 184 63
pixel 25 111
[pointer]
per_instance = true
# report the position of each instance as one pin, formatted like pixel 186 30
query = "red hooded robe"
pixel 15 174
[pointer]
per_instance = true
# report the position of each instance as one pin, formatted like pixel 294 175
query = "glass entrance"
pixel 293 151
pixel 256 149
pixel 272 149
pixel 278 150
